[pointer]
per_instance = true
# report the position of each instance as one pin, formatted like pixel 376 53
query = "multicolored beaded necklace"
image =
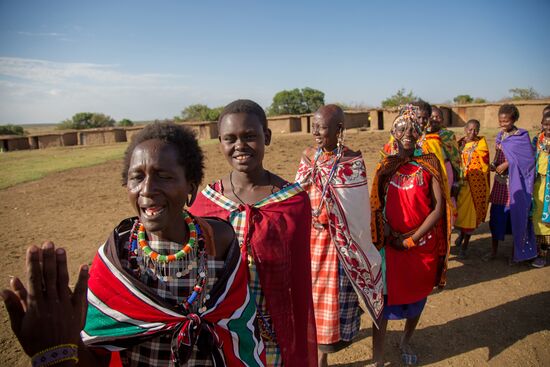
pixel 165 267
pixel 543 143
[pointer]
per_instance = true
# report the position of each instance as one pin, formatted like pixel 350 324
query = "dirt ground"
pixel 489 314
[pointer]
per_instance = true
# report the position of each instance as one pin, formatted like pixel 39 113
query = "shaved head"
pixel 331 114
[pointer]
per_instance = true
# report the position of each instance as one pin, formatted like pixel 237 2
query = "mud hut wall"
pixel 530 115
pixel 110 136
pixel 120 135
pixel 91 138
pixel 69 139
pixel 130 132
pixel 305 122
pixel 389 116
pixel 447 116
pixel 374 120
pixel 50 140
pixel 11 143
pixel 356 119
pixel 490 119
pixel 285 124
pixel 209 130
pixel 33 142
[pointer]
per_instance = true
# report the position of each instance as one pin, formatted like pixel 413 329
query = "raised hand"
pixel 47 313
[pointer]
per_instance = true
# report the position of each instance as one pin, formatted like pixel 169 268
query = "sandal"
pixel 409 359
pixel 539 262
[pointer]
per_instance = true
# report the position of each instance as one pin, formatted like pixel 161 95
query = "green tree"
pixel 399 98
pixel 479 100
pixel 463 99
pixel 87 120
pixel 125 123
pixel 10 129
pixel 313 99
pixel 524 93
pixel 200 112
pixel 296 101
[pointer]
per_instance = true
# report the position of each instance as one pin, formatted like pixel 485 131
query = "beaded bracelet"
pixel 409 243
pixel 54 355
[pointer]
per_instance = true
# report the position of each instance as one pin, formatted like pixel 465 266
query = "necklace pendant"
pixel 316 212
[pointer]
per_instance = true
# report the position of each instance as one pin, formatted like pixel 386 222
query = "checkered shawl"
pixel 123 312
pixel 277 232
pixel 348 210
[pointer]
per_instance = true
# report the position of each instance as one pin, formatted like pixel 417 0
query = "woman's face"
pixel 436 121
pixel 324 132
pixel 158 188
pixel 243 140
pixel 407 134
pixel 545 125
pixel 471 131
pixel 506 121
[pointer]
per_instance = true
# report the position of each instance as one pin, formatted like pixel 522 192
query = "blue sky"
pixel 150 59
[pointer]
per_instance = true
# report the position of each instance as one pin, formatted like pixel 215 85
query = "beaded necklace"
pixel 165 267
pixel 543 143
pixel 339 150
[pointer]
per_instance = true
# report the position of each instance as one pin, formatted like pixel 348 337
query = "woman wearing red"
pixel 411 227
pixel 272 219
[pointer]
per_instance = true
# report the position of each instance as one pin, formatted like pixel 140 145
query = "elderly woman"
pixel 344 262
pixel 411 227
pixel 161 290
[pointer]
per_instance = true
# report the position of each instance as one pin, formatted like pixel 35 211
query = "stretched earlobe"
pixel 192 195
pixel 267 134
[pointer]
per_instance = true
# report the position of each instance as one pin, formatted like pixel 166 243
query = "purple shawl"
pixel 521 171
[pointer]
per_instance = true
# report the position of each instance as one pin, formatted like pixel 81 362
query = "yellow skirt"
pixel 541 229
pixel 466 218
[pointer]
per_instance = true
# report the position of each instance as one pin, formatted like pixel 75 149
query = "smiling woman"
pixel 272 219
pixel 161 282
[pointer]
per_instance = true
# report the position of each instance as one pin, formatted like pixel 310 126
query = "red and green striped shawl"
pixel 123 312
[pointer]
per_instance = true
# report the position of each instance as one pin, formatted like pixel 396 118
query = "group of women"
pixel 254 270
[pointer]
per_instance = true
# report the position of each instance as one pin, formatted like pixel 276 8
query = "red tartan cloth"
pixel 279 235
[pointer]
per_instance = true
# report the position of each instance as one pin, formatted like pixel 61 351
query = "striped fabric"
pixel 499 192
pixel 123 312
pixel 340 240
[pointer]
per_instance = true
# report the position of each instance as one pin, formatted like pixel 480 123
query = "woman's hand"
pixel 47 313
pixel 502 168
pixel 398 243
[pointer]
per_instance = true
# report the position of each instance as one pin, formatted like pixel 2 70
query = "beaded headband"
pixel 407 114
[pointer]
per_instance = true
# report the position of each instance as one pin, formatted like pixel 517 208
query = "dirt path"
pixel 490 314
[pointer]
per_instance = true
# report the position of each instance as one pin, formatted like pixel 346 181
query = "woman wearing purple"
pixel 514 167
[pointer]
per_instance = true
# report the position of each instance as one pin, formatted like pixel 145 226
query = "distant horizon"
pixel 142 121
pixel 148 61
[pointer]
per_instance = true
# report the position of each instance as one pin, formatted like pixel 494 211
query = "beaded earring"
pixel 340 143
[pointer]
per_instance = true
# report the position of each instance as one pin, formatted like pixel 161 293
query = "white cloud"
pixel 45 91
pixel 41 34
